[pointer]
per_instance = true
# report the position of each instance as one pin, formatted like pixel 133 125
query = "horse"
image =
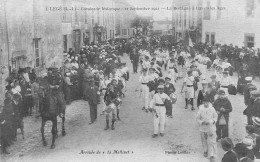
pixel 49 110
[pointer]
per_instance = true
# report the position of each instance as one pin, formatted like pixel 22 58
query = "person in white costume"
pixel 225 82
pixel 159 111
pixel 172 71
pixel 143 80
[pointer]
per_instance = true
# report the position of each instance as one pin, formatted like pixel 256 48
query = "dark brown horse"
pixel 49 110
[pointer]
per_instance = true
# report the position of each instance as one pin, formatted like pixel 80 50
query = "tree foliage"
pixel 141 22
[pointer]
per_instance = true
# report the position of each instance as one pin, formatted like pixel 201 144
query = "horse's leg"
pixel 63 126
pixel 42 131
pixel 54 131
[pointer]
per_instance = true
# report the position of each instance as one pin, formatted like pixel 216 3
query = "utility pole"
pixel 7 37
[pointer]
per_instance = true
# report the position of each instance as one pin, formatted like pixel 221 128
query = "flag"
pixel 190 42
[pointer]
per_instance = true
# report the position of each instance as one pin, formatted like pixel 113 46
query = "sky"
pixel 157 14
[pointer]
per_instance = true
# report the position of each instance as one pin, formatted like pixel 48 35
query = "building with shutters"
pixel 232 21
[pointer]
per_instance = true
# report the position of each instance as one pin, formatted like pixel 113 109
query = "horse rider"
pixel 55 85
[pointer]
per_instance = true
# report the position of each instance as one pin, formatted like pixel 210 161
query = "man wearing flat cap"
pixel 157 105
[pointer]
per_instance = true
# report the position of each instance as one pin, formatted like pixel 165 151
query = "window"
pixel 249 40
pixel 92 18
pixel 250 7
pixel 37 51
pixel 113 34
pixel 212 39
pixel 180 19
pixel 219 11
pixel 207 11
pixel 185 22
pixel 124 31
pixel 118 30
pixel 177 20
pixel 207 37
pixel 76 16
pixel 64 17
pixel 86 17
pixel 112 18
pixel 98 16
pixel 65 43
pixel 108 17
pixel 193 18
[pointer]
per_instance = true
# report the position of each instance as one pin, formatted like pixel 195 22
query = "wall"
pixel 233 24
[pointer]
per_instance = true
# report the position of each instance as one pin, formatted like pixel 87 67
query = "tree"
pixel 141 23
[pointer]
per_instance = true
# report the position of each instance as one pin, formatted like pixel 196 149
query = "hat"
pixel 206 99
pixel 255 93
pixel 213 76
pixel 219 67
pixel 192 66
pixel 204 82
pixel 161 80
pixel 225 72
pixel 221 92
pixel 249 79
pixel 241 149
pixel 203 77
pixel 256 120
pixel 252 88
pixel 8 92
pixel 227 143
pixel 160 87
pixel 44 74
pixel 248 142
pixel 167 78
pixel 144 69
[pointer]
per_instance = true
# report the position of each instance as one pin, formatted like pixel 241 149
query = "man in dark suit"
pixel 168 89
pixel 92 97
pixel 230 155
pixel 134 57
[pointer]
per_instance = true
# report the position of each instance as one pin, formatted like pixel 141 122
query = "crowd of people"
pixel 98 76
pixel 194 69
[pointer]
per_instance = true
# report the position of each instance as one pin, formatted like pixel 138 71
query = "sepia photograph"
pixel 130 80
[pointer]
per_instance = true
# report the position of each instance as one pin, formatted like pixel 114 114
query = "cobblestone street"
pixel 132 135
